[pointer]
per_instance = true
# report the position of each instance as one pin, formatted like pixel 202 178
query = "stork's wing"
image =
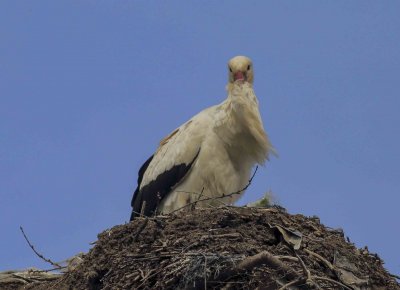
pixel 170 164
pixel 135 203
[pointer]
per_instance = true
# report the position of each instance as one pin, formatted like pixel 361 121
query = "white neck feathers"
pixel 243 129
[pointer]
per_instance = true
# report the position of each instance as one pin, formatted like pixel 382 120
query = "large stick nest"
pixel 224 248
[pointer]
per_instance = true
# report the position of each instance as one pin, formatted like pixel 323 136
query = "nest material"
pixel 225 248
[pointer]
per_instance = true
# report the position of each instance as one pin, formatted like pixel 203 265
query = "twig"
pixel 177 269
pixel 205 272
pixel 322 259
pixel 307 280
pixel 49 270
pixel 26 276
pixel 37 253
pixel 265 258
pixel 293 283
pixel 198 199
pixel 154 273
pixel 217 197
pixel 306 272
pixel 332 281
pixel 288 258
pixel 329 265
pixel 142 226
pixel 143 208
pixel 142 273
pixel 149 275
pixel 221 236
pixel 247 265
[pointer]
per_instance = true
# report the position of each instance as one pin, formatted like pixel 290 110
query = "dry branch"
pixel 25 277
pixel 332 281
pixel 218 197
pixel 319 257
pixel 249 264
pixel 58 266
pixel 294 283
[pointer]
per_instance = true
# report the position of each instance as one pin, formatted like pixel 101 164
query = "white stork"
pixel 210 155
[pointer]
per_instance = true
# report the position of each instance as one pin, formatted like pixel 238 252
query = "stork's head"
pixel 240 69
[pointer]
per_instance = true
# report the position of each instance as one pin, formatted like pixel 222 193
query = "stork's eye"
pixel 230 69
pixel 248 67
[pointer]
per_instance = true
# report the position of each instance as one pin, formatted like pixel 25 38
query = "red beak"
pixel 238 76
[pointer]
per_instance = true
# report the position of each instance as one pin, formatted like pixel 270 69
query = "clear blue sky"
pixel 88 88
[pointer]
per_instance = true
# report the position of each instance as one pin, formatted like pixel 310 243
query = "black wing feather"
pixel 153 192
pixel 141 172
